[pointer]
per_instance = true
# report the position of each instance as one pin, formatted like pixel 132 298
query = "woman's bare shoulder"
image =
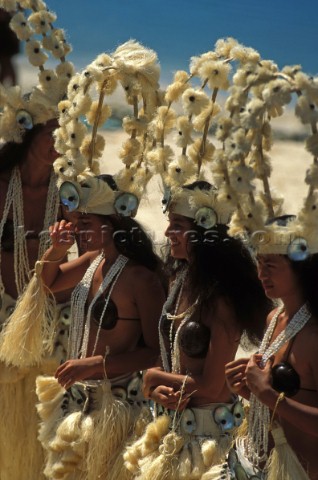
pixel 140 274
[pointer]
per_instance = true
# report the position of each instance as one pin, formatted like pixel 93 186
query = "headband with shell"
pixel 32 22
pixel 261 92
pixel 185 178
pixel 85 110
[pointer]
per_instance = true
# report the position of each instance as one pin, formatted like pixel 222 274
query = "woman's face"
pixel 178 233
pixel 43 143
pixel 277 276
pixel 92 232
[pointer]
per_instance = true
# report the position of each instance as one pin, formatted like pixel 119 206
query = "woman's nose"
pixel 167 231
pixel 262 272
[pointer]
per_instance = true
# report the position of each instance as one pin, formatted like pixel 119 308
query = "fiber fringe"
pixel 82 446
pixel 21 454
pixel 164 454
pixel 283 462
pixel 29 332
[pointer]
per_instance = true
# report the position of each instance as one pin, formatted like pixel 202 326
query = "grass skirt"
pixel 282 463
pixel 84 429
pixel 21 454
pixel 186 446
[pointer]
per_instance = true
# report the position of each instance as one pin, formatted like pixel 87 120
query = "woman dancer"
pixel 283 377
pixel 116 304
pixel 214 297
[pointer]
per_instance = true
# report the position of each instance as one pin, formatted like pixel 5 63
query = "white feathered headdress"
pixel 259 94
pixel 32 22
pixel 85 110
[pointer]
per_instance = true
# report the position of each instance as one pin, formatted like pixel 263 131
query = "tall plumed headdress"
pixel 260 92
pixel 32 22
pixel 85 110
pixel 192 114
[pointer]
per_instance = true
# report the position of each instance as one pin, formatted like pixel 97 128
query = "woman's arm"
pixel 148 295
pixel 301 416
pixel 209 385
pixel 57 274
pixel 149 298
pixel 236 378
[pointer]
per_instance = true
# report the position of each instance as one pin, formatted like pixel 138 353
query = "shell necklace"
pixel 14 200
pixel 184 317
pixel 81 322
pixel 259 414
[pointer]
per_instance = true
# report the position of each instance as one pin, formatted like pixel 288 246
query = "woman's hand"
pixel 168 398
pixel 150 381
pixel 79 369
pixel 258 378
pixel 62 235
pixel 235 377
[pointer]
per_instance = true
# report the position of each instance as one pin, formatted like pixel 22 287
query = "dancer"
pixel 283 377
pixel 280 381
pixel 94 403
pixel 200 328
pixel 29 204
pixel 215 295
pixel 116 307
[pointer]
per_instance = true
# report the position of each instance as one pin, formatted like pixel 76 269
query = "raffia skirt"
pixel 282 463
pixel 84 429
pixel 189 445
pixel 21 454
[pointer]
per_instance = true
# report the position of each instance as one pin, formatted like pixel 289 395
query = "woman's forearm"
pixel 52 259
pixel 135 361
pixel 303 417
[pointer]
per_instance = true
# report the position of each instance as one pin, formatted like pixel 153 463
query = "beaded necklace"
pixel 184 317
pixel 14 200
pixel 81 323
pixel 259 414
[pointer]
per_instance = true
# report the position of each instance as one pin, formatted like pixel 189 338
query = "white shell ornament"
pixel 298 250
pixel 157 408
pixel 69 196
pixel 65 315
pixel 126 204
pixel 77 395
pixel 206 217
pixel 119 392
pixel 165 202
pixel 240 473
pixel 238 413
pixel 134 389
pixel 224 418
pixel 188 423
pixel 232 460
pixel 10 310
pixel 24 119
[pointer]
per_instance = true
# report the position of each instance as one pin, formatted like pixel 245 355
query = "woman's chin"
pixel 177 254
pixel 271 293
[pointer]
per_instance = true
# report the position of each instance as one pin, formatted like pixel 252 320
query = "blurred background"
pixel 284 31
pixel 281 30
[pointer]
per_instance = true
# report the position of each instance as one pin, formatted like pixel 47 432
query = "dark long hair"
pixel 132 241
pixel 12 154
pixel 306 272
pixel 222 266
